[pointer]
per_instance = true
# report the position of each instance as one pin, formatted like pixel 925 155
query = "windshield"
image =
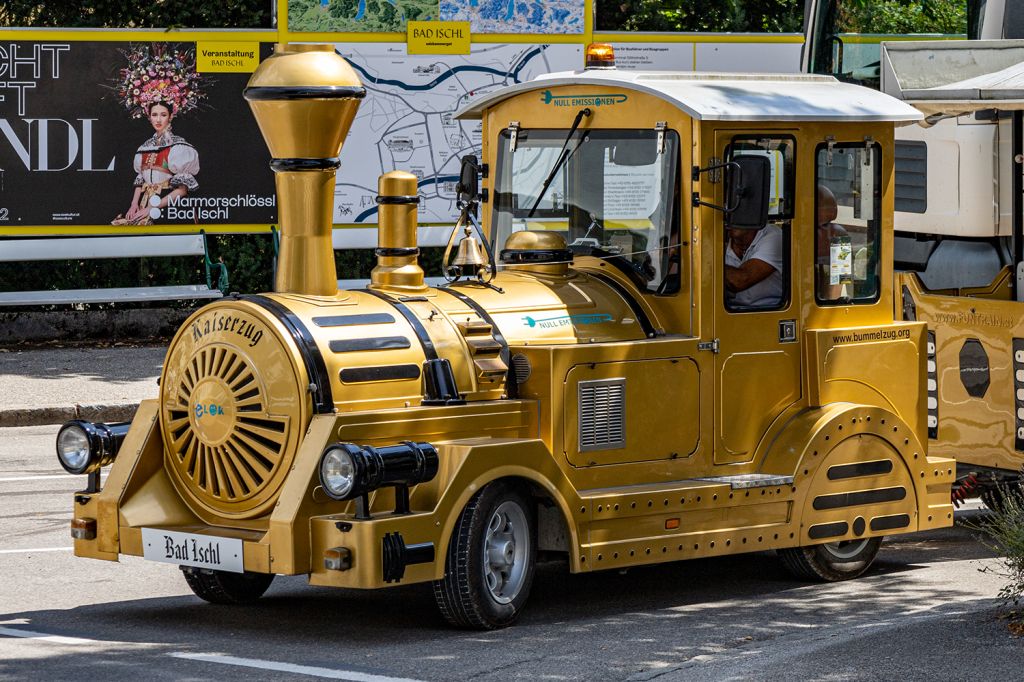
pixel 614 195
pixel 845 36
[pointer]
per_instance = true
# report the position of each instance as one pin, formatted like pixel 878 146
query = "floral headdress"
pixel 157 73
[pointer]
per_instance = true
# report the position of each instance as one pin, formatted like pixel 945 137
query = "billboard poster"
pixel 130 135
pixel 552 17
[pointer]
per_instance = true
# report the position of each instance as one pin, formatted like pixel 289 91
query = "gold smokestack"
pixel 397 263
pixel 304 98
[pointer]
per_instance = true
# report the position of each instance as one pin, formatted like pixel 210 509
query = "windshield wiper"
pixel 562 156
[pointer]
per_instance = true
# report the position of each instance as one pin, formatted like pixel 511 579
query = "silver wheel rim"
pixel 846 550
pixel 506 552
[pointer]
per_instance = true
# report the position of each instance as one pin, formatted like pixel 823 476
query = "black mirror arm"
pixel 697 201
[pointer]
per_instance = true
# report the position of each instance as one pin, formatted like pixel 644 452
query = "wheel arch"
pixel 547 487
pixel 859 471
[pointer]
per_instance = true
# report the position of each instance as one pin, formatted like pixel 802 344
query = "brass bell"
pixel 470 253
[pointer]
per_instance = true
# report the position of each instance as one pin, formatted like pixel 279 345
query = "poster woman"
pixel 159 84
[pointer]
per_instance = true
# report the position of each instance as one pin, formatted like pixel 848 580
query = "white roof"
pixel 729 96
pixel 954 77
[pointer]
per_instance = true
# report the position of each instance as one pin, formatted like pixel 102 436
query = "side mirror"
pixel 747 191
pixel 468 189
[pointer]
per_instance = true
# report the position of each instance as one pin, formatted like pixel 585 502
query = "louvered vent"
pixel 233 459
pixel 521 368
pixel 911 193
pixel 602 414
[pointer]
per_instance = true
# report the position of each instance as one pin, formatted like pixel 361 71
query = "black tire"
pixel 221 587
pixel 831 562
pixel 465 596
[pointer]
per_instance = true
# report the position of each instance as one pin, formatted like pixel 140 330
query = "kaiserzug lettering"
pixel 226 323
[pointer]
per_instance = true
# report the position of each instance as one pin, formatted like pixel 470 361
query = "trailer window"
pixel 848 210
pixel 614 195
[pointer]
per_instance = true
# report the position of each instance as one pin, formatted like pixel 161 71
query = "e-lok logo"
pixel 566 320
pixel 212 409
pixel 582 100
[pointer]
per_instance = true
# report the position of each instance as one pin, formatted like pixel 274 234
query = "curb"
pixel 41 416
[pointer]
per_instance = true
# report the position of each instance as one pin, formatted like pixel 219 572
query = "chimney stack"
pixel 397 250
pixel 304 98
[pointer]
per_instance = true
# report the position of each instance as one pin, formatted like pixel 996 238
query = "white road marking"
pixel 327 673
pixel 14 479
pixel 38 549
pixel 43 637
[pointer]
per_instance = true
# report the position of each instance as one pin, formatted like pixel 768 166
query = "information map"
pixel 407 120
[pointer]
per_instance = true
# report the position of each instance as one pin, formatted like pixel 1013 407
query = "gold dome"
pixel 535 240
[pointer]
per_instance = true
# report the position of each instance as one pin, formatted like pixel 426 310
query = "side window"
pixel 757 262
pixel 848 211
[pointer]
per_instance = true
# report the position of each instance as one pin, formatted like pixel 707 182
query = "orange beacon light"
pixel 600 56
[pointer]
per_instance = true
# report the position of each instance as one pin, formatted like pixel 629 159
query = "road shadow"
pixel 721 590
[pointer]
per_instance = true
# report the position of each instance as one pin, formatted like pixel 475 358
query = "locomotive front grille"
pixel 227 403
pixel 227 459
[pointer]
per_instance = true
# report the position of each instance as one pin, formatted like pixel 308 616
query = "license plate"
pixel 191 549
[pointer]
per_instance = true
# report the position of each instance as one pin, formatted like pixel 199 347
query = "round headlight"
pixel 73 449
pixel 337 473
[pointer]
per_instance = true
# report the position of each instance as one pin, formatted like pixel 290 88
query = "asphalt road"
pixel 927 610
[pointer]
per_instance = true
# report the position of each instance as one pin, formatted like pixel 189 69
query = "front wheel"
pixel 490 562
pixel 831 562
pixel 221 587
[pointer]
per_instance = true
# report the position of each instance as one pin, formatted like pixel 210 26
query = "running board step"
pixel 740 481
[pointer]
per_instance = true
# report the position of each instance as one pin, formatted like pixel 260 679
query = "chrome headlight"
pixel 73 448
pixel 84 447
pixel 337 472
pixel 348 471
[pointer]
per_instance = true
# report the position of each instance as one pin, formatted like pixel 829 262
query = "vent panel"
pixel 911 193
pixel 602 414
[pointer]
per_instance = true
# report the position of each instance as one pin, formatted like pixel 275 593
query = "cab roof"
pixel 728 96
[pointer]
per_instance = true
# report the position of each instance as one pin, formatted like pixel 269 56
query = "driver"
pixel 753 267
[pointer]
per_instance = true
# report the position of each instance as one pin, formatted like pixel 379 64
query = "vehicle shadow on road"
pixel 712 592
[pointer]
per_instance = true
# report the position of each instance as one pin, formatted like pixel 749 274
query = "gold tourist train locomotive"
pixel 616 380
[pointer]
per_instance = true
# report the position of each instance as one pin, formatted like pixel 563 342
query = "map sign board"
pixel 516 16
pixel 407 120
pixel 127 135
pixel 551 17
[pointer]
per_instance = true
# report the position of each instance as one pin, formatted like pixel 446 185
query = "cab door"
pixel 758 358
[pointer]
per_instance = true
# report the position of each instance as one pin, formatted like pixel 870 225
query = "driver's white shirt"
pixel 768 247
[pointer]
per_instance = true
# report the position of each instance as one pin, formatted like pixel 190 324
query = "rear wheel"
pixel 490 563
pixel 831 562
pixel 221 587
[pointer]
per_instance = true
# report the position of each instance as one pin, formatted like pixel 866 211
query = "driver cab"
pixel 665 185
